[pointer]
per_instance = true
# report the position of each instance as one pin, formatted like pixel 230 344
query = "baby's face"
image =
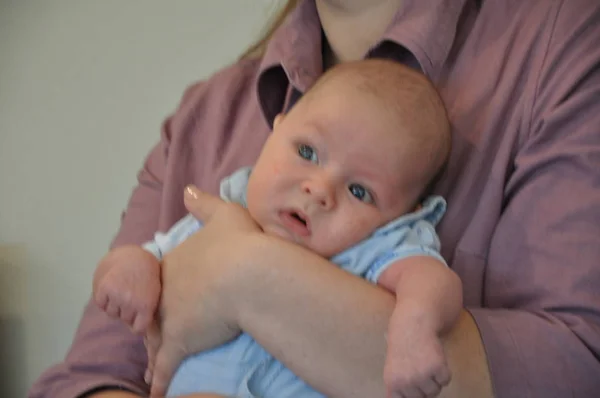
pixel 329 175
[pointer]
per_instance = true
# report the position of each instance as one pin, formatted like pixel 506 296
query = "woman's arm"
pixel 328 326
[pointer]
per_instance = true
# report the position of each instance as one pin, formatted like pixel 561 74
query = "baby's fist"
pixel 415 363
pixel 127 286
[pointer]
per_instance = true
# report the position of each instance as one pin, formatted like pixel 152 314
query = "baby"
pixel 344 174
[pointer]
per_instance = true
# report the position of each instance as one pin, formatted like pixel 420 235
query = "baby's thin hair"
pixel 414 105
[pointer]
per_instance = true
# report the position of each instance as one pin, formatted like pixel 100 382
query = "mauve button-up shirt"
pixel 521 82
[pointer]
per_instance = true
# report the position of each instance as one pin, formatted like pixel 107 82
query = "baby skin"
pixel 357 151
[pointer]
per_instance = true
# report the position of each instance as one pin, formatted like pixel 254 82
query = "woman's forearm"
pixel 328 326
pixel 467 361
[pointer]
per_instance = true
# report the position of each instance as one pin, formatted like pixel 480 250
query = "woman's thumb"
pixel 168 359
pixel 201 204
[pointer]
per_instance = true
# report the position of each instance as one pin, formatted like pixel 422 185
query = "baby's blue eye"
pixel 360 193
pixel 308 153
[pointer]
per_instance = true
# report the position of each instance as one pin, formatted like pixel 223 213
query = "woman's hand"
pixel 196 311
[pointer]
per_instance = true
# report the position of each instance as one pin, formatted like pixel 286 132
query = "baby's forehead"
pixel 382 157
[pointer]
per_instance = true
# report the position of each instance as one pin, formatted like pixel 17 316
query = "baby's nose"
pixel 321 191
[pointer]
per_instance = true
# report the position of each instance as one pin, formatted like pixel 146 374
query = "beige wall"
pixel 84 87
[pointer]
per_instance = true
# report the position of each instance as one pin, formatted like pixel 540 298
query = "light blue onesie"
pixel 242 368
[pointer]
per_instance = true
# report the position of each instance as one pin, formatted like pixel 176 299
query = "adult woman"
pixel 521 82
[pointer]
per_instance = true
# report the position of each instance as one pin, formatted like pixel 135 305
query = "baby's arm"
pixel 127 286
pixel 428 302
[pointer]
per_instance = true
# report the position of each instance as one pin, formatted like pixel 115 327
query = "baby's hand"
pixel 415 363
pixel 127 286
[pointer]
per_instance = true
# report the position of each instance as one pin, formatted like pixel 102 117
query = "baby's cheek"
pixel 347 234
pixel 276 168
pixel 361 228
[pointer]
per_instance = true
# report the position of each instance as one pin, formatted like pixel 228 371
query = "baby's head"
pixel 358 150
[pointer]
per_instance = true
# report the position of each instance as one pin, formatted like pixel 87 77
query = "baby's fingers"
pixel 113 309
pixel 443 376
pixel 411 392
pixel 430 388
pixel 127 315
pixel 141 322
pixel 426 389
pixel 101 299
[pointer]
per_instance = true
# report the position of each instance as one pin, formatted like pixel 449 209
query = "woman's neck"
pixel 352 27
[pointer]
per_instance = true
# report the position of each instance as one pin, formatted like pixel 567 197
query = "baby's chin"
pixel 325 252
pixel 279 232
pixel 282 233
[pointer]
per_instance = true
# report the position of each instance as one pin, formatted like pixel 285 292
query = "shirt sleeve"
pixel 541 324
pixel 165 242
pixel 104 353
pixel 421 240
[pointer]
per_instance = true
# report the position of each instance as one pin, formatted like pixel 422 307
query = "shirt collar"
pixel 296 46
pixel 426 28
pixel 293 55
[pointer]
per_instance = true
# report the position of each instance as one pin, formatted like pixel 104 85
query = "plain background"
pixel 84 88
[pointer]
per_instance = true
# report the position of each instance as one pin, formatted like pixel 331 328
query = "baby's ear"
pixel 278 119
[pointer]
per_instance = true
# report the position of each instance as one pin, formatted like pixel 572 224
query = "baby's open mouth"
pixel 296 222
pixel 299 218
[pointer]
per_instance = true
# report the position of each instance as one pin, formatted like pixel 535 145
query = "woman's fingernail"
pixel 191 191
pixel 147 376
